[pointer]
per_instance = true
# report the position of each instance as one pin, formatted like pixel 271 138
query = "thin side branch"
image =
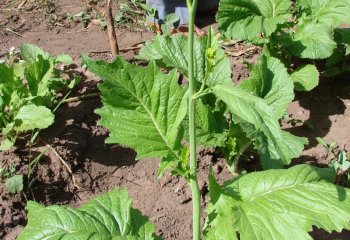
pixel 82 97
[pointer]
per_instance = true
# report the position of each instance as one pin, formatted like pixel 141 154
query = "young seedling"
pixel 328 146
pixel 342 164
pixel 13 182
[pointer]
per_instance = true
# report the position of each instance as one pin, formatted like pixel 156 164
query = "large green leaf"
pixel 210 62
pixel 311 40
pixel 30 53
pixel 108 217
pixel 330 12
pixel 257 119
pixel 30 117
pixel 277 205
pixel 143 108
pixel 249 19
pixel 211 126
pixel 270 80
pixel 305 78
pixel 38 75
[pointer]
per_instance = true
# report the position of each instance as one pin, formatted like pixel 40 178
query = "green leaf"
pixel 109 216
pixel 258 121
pixel 217 226
pixel 312 40
pixel 6 74
pixel 330 12
pixel 38 75
pixel 31 117
pixel 7 85
pixel 143 108
pixel 30 53
pixel 236 144
pixel 211 126
pixel 342 35
pixel 305 78
pixel 252 19
pixel 14 184
pixel 6 144
pixel 169 22
pixel 335 59
pixel 279 204
pixel 210 61
pixel 64 58
pixel 270 80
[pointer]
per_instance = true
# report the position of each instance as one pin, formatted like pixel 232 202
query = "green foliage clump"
pixel 28 88
pixel 289 30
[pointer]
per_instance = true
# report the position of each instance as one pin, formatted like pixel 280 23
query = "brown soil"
pixel 98 167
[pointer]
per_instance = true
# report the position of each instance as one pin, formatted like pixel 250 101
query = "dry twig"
pixel 111 31
pixel 22 4
pixel 241 52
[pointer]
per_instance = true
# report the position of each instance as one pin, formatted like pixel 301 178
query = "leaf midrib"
pixel 153 120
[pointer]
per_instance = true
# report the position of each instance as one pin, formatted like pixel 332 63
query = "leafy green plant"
pixel 288 29
pixel 342 166
pixel 149 111
pixel 28 88
pixel 109 216
pixel 13 182
pixel 82 17
pixel 328 146
pixel 338 63
pixel 158 114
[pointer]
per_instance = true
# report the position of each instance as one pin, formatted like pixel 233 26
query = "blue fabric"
pixel 165 7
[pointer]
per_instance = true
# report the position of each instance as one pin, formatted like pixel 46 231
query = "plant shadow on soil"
pixel 322 103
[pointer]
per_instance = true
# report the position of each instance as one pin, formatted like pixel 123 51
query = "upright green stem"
pixel 196 203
